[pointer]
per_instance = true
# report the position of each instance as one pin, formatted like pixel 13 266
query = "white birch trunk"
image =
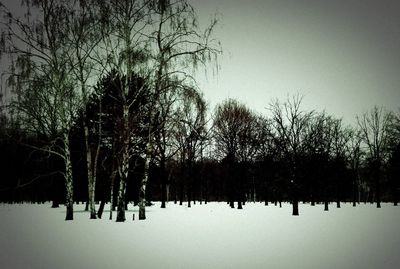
pixel 112 206
pixel 69 200
pixel 124 166
pixel 142 193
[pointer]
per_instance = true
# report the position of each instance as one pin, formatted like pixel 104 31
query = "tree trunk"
pixel 112 204
pixel 189 180
pixel 206 191
pixel 121 201
pixel 338 194
pixel 55 203
pixel 326 202
pixel 295 207
pixel 124 165
pixel 163 182
pixel 89 168
pixel 181 193
pixel 175 192
pixel 101 209
pixel 69 201
pixel 181 184
pixel 312 199
pixel 355 191
pixel 142 193
pixel 122 190
pixel 189 197
pixel 295 202
pixel 201 188
pixel 55 188
pixel 378 191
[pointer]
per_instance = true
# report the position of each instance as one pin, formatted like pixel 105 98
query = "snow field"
pixel 203 236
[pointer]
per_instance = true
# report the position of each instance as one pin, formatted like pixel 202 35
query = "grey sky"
pixel 344 56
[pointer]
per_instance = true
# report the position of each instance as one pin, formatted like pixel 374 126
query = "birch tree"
pixel 123 47
pixel 39 73
pixel 177 46
pixel 83 40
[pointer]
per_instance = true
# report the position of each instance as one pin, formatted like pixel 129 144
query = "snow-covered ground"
pixel 204 236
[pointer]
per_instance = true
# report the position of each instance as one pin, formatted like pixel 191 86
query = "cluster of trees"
pixel 294 154
pixel 67 57
pixel 238 156
pixel 105 104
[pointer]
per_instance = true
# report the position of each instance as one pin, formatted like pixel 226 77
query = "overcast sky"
pixel 343 56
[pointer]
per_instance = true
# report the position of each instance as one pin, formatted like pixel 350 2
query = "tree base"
pixel 69 216
pixel 101 209
pixel 142 216
pixel 120 217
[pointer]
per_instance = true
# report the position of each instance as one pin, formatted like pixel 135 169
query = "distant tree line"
pixel 106 110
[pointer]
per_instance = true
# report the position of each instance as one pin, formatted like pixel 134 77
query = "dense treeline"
pixel 239 159
pixel 106 110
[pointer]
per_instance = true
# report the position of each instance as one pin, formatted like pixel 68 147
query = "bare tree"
pixel 263 153
pixel 340 138
pixel 318 147
pixel 355 155
pixel 190 135
pixel 249 141
pixel 374 127
pixel 289 122
pixel 394 159
pixel 234 135
pixel 164 149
